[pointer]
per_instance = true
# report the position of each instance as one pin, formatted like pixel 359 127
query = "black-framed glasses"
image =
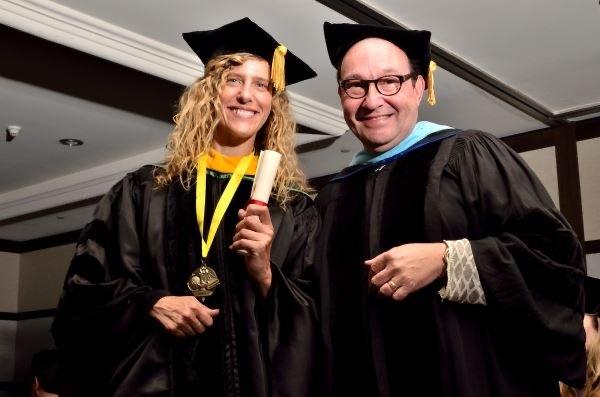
pixel 386 85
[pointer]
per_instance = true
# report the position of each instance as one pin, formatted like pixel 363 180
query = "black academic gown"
pixel 142 245
pixel 452 186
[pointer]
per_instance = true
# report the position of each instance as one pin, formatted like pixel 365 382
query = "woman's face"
pixel 246 102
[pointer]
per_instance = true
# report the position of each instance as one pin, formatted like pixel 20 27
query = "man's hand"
pixel 254 234
pixel 183 315
pixel 407 268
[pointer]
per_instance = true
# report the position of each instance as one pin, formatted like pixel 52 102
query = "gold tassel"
pixel 278 68
pixel 431 83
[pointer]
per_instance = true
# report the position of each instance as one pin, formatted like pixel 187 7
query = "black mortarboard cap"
pixel 592 295
pixel 246 36
pixel 340 37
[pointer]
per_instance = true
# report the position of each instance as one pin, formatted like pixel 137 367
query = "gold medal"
pixel 203 281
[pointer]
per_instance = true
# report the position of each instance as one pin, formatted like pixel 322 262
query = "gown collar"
pixel 431 138
pixel 226 164
pixel 421 130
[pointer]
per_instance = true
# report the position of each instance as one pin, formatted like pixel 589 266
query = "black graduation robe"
pixel 142 245
pixel 451 186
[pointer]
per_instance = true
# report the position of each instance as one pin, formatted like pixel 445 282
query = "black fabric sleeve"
pixel 291 324
pixel 529 260
pixel 107 293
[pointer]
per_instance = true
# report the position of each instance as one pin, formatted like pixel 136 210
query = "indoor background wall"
pixel 30 285
pixel 588 152
pixel 9 292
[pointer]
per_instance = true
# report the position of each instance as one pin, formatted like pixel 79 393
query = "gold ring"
pixel 393 285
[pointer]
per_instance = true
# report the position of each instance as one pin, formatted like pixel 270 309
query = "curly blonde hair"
pixel 592 376
pixel 198 116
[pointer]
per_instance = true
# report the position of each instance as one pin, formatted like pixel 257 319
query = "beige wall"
pixel 9 282
pixel 543 163
pixel 32 336
pixel 9 292
pixel 8 337
pixel 29 281
pixel 593 265
pixel 41 277
pixel 588 154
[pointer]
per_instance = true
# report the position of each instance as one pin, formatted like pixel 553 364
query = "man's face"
pixel 379 121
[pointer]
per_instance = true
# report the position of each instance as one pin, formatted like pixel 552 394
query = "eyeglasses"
pixel 386 85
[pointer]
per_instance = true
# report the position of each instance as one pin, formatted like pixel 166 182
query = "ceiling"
pixel 109 73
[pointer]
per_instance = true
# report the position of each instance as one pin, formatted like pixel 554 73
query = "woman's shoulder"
pixel 136 182
pixel 144 178
pixel 146 173
pixel 301 197
pixel 300 205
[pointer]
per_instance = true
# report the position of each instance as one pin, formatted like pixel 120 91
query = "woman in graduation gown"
pixel 128 323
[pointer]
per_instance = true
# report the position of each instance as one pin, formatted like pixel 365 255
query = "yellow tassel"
pixel 431 83
pixel 278 68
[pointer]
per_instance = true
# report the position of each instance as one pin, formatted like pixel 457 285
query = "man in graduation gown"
pixel 449 270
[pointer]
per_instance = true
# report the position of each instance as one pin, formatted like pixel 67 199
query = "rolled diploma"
pixel 266 170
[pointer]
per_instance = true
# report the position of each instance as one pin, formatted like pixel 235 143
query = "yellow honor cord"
pixel 430 83
pixel 224 200
pixel 278 68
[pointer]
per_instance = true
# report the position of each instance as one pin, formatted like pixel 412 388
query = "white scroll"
pixel 266 170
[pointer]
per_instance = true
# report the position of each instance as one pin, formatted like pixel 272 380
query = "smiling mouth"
pixel 375 118
pixel 244 113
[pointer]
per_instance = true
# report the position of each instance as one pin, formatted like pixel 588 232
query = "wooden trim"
pixel 49 65
pixel 567 168
pixel 362 13
pixel 587 129
pixel 10 246
pixel 29 315
pixel 19 247
pixel 543 138
pixel 584 111
pixel 592 246
pixel 532 140
pixel 358 12
pixel 51 241
pixel 51 210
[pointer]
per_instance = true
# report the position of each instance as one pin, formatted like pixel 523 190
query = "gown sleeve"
pixel 291 315
pixel 462 279
pixel 107 292
pixel 529 260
